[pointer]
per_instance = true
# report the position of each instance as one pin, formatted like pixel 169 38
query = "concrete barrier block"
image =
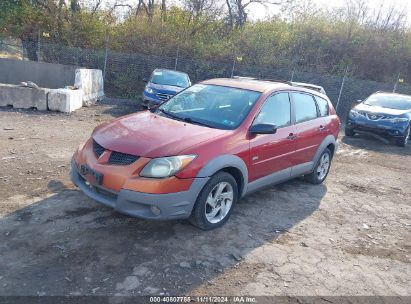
pixel 23 97
pixel 92 83
pixel 65 100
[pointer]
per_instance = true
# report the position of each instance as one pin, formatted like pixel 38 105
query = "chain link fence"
pixel 124 72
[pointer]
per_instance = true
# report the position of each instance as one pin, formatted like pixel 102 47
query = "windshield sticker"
pixel 228 122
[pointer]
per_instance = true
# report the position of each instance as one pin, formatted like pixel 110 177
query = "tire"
pixel 202 215
pixel 402 142
pixel 320 172
pixel 349 132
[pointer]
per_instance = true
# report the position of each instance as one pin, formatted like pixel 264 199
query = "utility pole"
pixel 232 69
pixel 341 89
pixel 176 61
pixel 396 83
pixel 105 58
pixel 38 46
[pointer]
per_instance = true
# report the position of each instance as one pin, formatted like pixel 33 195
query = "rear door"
pixel 311 128
pixel 272 153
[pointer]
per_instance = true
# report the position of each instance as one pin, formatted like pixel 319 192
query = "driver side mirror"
pixel 263 129
pixel 145 80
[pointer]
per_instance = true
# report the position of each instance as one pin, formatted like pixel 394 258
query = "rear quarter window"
pixel 304 107
pixel 322 106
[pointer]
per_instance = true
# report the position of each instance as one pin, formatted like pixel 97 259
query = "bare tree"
pixel 238 9
pixel 199 8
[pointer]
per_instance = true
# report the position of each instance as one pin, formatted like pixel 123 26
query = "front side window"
pixel 322 106
pixel 170 78
pixel 276 110
pixel 304 107
pixel 211 105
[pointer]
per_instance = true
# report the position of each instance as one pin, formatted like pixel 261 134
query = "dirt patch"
pixel 349 236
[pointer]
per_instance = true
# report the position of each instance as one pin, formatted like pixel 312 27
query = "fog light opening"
pixel 155 210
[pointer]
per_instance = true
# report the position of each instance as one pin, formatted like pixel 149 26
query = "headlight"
pixel 354 114
pixel 399 120
pixel 150 90
pixel 166 166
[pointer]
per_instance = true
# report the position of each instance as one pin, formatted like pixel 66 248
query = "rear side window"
pixel 305 108
pixel 322 106
pixel 276 110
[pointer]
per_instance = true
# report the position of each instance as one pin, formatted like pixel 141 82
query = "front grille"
pixel 164 96
pixel 117 158
pixel 98 149
pixel 371 116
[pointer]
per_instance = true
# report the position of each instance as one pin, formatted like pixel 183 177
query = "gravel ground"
pixel 349 236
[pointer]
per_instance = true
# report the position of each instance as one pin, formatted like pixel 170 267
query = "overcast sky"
pixel 259 12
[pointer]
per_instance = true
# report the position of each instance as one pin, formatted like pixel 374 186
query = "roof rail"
pixel 276 80
pixel 244 77
pixel 263 79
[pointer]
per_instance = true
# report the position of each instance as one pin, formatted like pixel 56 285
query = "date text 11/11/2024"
pixel 203 299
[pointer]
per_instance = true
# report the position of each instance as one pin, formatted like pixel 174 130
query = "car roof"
pixel 167 70
pixel 246 83
pixel 391 93
pixel 259 85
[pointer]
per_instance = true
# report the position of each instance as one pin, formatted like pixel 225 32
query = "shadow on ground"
pixel 119 107
pixel 371 143
pixel 67 244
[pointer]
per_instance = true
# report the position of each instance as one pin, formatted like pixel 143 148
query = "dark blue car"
pixel 164 84
pixel 384 114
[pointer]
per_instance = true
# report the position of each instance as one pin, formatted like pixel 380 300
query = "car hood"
pixel 150 135
pixel 374 109
pixel 163 87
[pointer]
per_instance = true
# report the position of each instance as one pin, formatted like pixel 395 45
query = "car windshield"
pixel 397 102
pixel 210 105
pixel 170 78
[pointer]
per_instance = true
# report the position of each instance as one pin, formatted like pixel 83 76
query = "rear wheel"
pixel 403 141
pixel 215 202
pixel 321 169
pixel 349 132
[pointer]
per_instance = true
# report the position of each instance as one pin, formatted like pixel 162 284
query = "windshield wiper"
pixel 169 114
pixel 185 119
pixel 189 120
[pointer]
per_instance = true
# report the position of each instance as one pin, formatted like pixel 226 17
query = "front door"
pixel 272 153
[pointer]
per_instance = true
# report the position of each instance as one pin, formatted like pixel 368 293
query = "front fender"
pixel 226 161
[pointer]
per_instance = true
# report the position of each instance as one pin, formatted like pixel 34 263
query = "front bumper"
pixel 384 130
pixel 177 205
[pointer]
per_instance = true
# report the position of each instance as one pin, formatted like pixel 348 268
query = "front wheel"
pixel 215 202
pixel 403 141
pixel 321 169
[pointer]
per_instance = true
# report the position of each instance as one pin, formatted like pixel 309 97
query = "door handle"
pixel 321 128
pixel 291 136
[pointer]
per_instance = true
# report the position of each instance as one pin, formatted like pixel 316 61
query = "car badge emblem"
pixel 373 116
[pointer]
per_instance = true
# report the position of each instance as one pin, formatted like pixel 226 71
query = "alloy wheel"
pixel 219 202
pixel 323 166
